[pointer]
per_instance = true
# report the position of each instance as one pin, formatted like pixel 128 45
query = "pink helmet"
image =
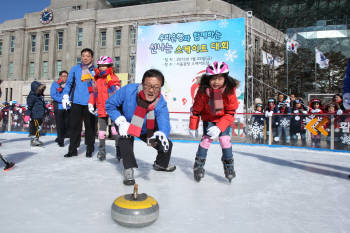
pixel 217 68
pixel 104 60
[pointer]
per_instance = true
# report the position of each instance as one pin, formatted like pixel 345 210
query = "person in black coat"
pixel 36 111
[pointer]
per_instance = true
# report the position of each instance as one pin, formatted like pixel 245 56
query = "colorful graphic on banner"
pixel 181 51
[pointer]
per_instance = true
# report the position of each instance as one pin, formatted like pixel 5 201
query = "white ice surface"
pixel 282 190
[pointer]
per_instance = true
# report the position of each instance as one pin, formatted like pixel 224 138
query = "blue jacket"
pixel 123 102
pixel 35 101
pixel 57 96
pixel 80 93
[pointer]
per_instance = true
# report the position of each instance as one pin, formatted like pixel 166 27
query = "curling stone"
pixel 135 210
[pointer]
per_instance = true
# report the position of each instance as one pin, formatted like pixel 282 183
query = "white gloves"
pixel 268 113
pixel 339 112
pixel 160 137
pixel 193 133
pixel 123 126
pixel 296 111
pixel 304 112
pixel 214 132
pixel 92 109
pixel 65 101
pixel 316 110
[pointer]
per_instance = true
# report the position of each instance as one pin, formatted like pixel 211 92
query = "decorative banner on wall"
pixel 181 51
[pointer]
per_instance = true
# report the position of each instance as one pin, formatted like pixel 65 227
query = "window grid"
pixel 132 35
pixel 45 69
pixel 60 40
pixel 117 64
pixel 33 45
pixel 80 37
pixel 12 44
pixel 46 41
pixel 31 70
pixel 132 64
pixel 103 36
pixel 58 67
pixel 10 70
pixel 118 37
pixel 0 47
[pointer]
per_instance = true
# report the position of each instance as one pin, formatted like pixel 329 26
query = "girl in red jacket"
pixel 216 103
pixel 105 84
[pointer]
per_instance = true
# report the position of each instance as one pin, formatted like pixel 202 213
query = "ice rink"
pixel 277 189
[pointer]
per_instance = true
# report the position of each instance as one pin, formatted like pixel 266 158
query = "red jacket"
pixel 201 108
pixel 102 86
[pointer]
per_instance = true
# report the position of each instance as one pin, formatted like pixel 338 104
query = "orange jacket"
pixel 103 89
pixel 201 108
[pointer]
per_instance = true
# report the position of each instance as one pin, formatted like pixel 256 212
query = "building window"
pixel 132 35
pixel 46 41
pixel 31 70
pixel 117 64
pixel 118 37
pixel 58 67
pixel 76 8
pixel 45 69
pixel 132 64
pixel 103 38
pixel 12 44
pixel 80 37
pixel 257 44
pixel 78 60
pixel 59 40
pixel 33 42
pixel 10 69
pixel 0 47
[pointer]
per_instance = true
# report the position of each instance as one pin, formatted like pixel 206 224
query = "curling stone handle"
pixel 135 194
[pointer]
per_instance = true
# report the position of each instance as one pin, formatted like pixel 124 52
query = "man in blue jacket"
pixel 80 79
pixel 61 115
pixel 139 110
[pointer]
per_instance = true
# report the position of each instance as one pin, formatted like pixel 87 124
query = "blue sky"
pixel 15 9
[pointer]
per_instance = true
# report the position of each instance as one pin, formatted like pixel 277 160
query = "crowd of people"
pixel 290 115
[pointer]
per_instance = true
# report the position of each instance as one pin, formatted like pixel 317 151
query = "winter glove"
pixel 65 101
pixel 161 139
pixel 214 132
pixel 123 126
pixel 316 110
pixel 339 112
pixel 26 119
pixel 92 109
pixel 304 112
pixel 277 139
pixel 193 133
pixel 296 111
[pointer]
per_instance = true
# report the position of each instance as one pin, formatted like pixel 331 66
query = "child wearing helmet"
pixel 271 108
pixel 315 107
pixel 257 124
pixel 297 123
pixel 216 103
pixel 105 84
pixel 283 123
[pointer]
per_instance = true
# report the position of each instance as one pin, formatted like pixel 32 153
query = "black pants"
pixel 34 127
pixel 62 124
pixel 126 146
pixel 78 114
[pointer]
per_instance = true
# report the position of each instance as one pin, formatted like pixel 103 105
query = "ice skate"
pixel 36 142
pixel 228 169
pixel 101 155
pixel 129 176
pixel 198 170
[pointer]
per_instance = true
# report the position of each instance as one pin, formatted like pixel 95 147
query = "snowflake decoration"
pixel 231 55
pixel 223 24
pixel 285 122
pixel 345 139
pixel 255 130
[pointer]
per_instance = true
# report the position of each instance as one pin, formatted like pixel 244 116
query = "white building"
pixel 40 45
